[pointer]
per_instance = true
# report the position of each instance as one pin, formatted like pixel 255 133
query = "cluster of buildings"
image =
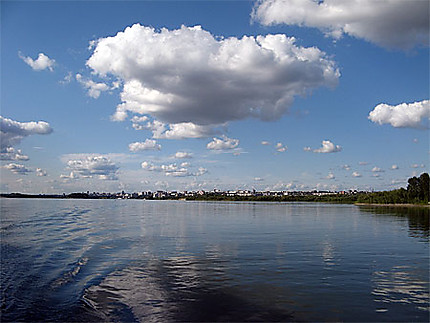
pixel 201 193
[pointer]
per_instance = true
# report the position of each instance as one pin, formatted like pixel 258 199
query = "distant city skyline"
pixel 268 95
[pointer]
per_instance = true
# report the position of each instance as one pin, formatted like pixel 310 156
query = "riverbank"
pixel 405 205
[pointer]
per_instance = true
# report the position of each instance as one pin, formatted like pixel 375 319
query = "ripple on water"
pixel 399 285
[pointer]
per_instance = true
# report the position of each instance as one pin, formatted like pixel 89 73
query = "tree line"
pixel 417 192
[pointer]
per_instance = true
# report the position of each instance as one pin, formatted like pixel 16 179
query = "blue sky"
pixel 342 106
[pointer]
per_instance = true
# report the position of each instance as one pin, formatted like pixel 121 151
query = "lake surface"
pixel 158 261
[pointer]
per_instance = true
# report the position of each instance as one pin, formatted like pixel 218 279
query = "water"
pixel 158 261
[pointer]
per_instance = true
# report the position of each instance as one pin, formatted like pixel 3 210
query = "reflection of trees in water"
pixel 418 218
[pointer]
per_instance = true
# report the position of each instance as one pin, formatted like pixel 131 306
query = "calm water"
pixel 157 261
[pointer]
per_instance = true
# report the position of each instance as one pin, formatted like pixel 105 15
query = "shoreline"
pixel 59 197
pixel 394 205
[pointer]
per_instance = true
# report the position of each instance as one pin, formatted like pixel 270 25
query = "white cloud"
pixel 92 166
pixel 394 167
pixel 415 140
pixel 189 77
pixel 405 115
pixel 141 119
pixel 12 132
pixel 377 170
pixel 330 176
pixel 265 143
pixel 18 169
pixel 72 175
pixel 346 167
pixel 182 130
pixel 356 174
pixel 173 169
pixel 10 153
pixel 307 149
pixel 183 155
pixel 280 147
pixel 328 147
pixel 387 23
pixel 418 166
pixel 363 163
pixel 67 79
pixel 148 144
pixel 94 89
pixel 40 172
pixel 258 179
pixel 200 171
pixel 224 143
pixel 42 62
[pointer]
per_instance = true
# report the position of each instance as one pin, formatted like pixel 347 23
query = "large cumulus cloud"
pixel 388 23
pixel 188 76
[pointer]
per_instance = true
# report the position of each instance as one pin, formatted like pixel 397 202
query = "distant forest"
pixel 417 192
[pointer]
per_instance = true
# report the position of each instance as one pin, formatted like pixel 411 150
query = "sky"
pixel 188 95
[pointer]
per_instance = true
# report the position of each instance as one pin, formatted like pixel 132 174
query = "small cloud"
pixel 67 79
pixel 363 163
pixel 224 143
pixel 173 169
pixel 328 147
pixel 265 143
pixel 356 174
pixel 417 166
pixel 183 155
pixel 137 119
pixel 42 62
pixel 394 167
pixel 330 176
pixel 94 89
pixel 258 179
pixel 415 140
pixel 18 169
pixel 405 115
pixel 10 153
pixel 307 149
pixel 280 147
pixel 92 166
pixel 161 130
pixel 40 172
pixel 377 170
pixel 346 167
pixel 148 144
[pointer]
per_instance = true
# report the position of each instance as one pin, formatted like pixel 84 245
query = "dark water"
pixel 156 261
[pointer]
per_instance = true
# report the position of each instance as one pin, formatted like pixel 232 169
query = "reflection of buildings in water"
pixel 328 254
pixel 400 286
